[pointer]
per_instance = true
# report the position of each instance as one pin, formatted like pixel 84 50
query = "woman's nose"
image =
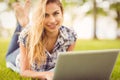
pixel 52 19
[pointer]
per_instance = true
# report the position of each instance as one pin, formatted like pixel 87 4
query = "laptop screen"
pixel 85 65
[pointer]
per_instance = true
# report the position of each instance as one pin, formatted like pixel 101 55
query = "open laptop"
pixel 85 65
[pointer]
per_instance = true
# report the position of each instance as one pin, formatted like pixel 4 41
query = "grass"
pixel 7 74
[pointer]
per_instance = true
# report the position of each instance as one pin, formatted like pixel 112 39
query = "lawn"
pixel 7 74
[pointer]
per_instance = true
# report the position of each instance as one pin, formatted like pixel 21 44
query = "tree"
pixel 116 6
pixel 94 16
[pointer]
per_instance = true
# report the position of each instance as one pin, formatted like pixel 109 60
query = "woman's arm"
pixel 71 47
pixel 25 69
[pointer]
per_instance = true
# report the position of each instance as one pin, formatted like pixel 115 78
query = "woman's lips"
pixel 52 26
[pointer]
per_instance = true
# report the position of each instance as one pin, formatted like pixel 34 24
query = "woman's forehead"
pixel 52 7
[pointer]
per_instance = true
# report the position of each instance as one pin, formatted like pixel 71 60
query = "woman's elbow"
pixel 23 74
pixel 26 73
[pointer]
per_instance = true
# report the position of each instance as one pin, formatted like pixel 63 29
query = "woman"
pixel 41 41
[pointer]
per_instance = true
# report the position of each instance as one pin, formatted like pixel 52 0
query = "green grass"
pixel 7 74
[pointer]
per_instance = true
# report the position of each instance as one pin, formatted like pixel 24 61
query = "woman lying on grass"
pixel 41 41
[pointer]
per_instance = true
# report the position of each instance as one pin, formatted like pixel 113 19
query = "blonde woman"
pixel 41 41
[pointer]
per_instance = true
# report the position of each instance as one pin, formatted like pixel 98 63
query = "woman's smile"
pixel 52 26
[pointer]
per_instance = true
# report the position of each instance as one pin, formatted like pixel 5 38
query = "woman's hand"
pixel 48 75
pixel 22 12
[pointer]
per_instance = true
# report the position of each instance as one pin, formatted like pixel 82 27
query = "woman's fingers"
pixel 49 76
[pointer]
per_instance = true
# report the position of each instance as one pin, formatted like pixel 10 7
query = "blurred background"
pixel 99 19
pixel 96 22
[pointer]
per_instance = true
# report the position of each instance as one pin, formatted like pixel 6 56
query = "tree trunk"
pixel 118 18
pixel 94 17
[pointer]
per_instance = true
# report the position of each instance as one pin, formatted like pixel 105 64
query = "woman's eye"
pixel 56 13
pixel 46 15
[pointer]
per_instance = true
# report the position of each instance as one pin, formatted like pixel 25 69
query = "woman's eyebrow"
pixel 52 13
pixel 56 11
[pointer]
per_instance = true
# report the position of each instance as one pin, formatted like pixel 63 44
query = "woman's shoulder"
pixel 68 34
pixel 65 28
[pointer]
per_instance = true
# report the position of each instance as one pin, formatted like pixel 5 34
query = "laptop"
pixel 85 65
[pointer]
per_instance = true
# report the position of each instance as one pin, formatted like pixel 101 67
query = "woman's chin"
pixel 52 30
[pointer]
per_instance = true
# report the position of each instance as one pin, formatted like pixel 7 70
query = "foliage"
pixel 72 2
pixel 99 11
pixel 116 7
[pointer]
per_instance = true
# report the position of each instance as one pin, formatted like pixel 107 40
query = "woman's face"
pixel 53 17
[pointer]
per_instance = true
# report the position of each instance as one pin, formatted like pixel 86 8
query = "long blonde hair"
pixel 35 41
